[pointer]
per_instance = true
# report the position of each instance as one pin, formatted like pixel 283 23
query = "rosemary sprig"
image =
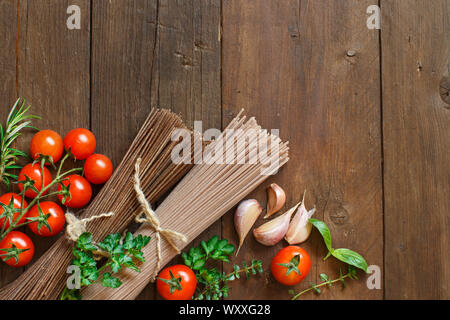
pixel 18 119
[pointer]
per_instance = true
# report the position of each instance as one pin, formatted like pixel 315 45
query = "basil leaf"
pixel 351 257
pixel 324 231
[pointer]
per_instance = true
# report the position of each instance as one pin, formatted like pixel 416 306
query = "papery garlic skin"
pixel 245 216
pixel 300 228
pixel 276 198
pixel 273 231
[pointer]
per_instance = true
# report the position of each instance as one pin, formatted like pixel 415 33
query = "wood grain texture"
pixel 123 46
pixel 132 71
pixel 187 72
pixel 286 63
pixel 8 90
pixel 53 72
pixel 416 122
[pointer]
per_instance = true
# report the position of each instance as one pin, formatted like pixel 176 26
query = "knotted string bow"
pixel 149 216
pixel 76 227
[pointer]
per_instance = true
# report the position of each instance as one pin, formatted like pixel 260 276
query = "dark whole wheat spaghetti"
pixel 203 196
pixel 46 278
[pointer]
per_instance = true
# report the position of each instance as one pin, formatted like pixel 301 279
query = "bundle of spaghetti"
pixel 208 191
pixel 45 279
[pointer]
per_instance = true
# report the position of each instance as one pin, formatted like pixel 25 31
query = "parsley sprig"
pixel 213 284
pixel 122 252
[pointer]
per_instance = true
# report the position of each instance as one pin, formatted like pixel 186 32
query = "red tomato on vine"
pixel 290 265
pixel 34 172
pixel 176 282
pixel 81 143
pixel 80 191
pixel 98 169
pixel 17 206
pixel 20 249
pixel 48 143
pixel 55 221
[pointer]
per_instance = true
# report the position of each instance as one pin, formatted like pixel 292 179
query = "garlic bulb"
pixel 299 228
pixel 276 198
pixel 245 216
pixel 273 231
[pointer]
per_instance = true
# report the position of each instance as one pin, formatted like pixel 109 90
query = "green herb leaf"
pixel 212 243
pixel 351 257
pixel 110 281
pixel 324 231
pixel 84 242
pixel 324 277
pixel 121 254
pixel 228 249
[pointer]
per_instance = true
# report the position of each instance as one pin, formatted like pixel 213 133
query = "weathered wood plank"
pixel 123 44
pixel 287 64
pixel 187 72
pixel 416 121
pixel 8 90
pixel 53 71
pixel 136 63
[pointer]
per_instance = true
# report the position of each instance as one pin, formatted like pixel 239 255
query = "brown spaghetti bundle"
pixel 46 278
pixel 208 191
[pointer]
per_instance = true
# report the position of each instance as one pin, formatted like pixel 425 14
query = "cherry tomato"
pixel 56 220
pixel 290 265
pixel 17 202
pixel 81 143
pixel 169 280
pixel 47 142
pixel 98 169
pixel 80 191
pixel 22 242
pixel 33 171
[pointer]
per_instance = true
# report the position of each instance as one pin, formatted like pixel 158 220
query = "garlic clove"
pixel 273 231
pixel 247 212
pixel 276 198
pixel 300 228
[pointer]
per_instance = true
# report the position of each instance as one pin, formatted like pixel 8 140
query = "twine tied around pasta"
pixel 76 227
pixel 149 216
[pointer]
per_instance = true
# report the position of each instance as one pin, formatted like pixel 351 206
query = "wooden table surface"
pixel 364 111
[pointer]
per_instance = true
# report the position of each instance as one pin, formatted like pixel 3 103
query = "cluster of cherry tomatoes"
pixel 81 143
